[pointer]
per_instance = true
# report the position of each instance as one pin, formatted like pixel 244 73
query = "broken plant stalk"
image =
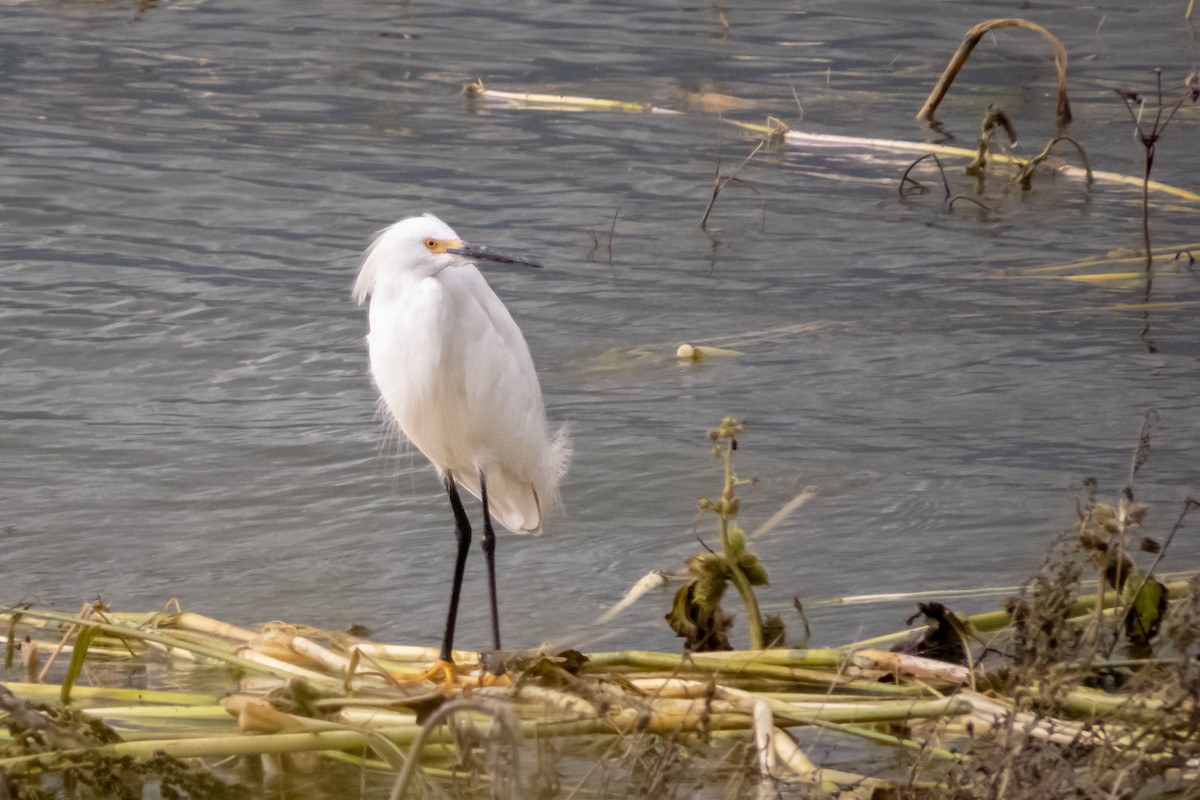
pixel 731 535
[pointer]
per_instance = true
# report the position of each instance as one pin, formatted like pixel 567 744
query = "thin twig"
pixel 719 184
pixel 1189 505
pixel 612 229
pixel 969 200
pixel 799 105
pixel 1149 143
pixel 1142 452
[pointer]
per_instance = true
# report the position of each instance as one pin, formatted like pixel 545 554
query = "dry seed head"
pixel 1132 513
pixel 729 428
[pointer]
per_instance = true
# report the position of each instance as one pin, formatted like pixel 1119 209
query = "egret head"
pixel 420 247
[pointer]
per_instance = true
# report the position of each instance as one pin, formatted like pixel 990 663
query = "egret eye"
pixel 431 244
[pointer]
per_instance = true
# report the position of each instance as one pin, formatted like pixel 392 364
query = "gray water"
pixel 186 188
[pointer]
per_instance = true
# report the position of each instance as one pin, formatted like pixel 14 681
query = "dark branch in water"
pixel 906 179
pixel 950 206
pixel 1149 139
pixel 719 184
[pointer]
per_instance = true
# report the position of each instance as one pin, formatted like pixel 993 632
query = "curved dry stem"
pixel 963 197
pixel 904 178
pixel 1025 176
pixel 971 38
pixel 441 715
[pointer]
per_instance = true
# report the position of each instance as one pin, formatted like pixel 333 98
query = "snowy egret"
pixel 454 371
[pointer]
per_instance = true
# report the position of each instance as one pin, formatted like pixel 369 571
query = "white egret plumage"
pixel 455 373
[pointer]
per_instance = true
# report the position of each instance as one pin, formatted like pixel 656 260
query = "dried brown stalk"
pixel 972 38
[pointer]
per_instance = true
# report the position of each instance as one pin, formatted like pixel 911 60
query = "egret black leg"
pixel 489 554
pixel 462 533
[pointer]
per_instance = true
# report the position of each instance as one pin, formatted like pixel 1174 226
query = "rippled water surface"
pixel 185 191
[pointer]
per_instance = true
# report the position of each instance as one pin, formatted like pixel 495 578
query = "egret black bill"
pixel 481 253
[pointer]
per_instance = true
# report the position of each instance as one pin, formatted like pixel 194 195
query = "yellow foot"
pixel 443 673
pixel 488 679
pixel 448 676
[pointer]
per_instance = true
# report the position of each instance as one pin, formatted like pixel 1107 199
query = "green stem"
pixel 740 582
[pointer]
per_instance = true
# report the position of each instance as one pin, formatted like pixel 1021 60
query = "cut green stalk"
pixel 181 712
pixel 46 693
